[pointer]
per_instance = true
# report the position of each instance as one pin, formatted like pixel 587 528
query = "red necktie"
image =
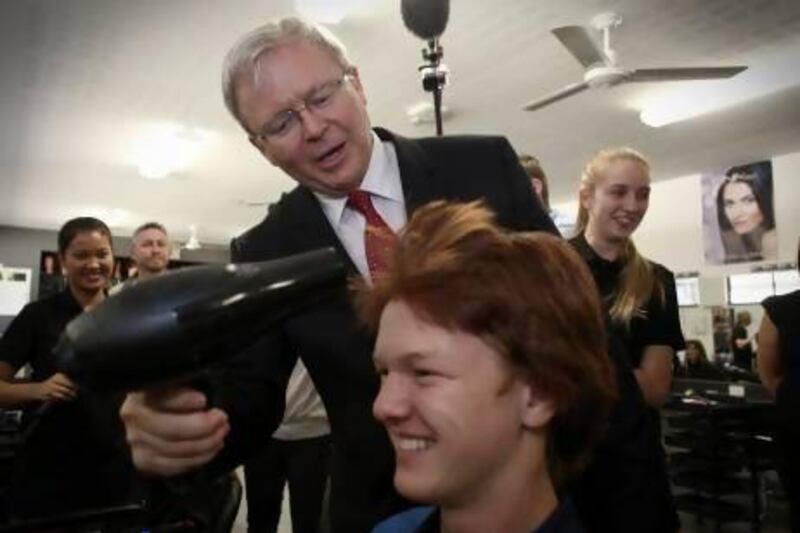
pixel 379 238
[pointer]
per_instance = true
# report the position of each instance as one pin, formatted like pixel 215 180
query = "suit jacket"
pixel 335 348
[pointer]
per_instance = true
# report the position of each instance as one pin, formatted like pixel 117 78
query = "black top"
pixel 658 324
pixel 742 357
pixel 34 332
pixel 74 455
pixel 701 370
pixel 784 311
pixel 625 487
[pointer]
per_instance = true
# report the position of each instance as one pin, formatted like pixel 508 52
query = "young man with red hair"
pixel 495 382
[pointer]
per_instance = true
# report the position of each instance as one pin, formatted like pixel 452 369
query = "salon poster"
pixel 739 214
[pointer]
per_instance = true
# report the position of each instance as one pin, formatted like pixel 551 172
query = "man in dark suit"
pixel 291 87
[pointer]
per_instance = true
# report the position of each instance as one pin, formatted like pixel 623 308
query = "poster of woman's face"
pixel 738 214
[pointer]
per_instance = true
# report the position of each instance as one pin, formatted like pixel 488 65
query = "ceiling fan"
pixel 602 69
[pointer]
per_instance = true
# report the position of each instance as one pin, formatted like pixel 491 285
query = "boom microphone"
pixel 168 328
pixel 426 19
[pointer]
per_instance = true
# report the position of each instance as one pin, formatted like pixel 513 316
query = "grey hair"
pixel 243 56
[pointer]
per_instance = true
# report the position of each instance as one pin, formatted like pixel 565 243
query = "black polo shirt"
pixel 625 487
pixel 33 333
pixel 74 455
pixel 659 324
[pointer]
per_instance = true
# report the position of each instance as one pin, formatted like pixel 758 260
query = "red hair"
pixel 529 295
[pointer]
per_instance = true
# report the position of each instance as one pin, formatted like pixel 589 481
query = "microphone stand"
pixel 434 77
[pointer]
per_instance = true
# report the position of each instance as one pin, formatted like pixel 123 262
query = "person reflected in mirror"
pixel 742 341
pixel 51 277
pixel 697 365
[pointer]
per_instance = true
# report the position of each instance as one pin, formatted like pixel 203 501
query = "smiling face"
pixel 150 250
pixel 88 261
pixel 457 416
pixel 618 200
pixel 741 207
pixel 329 151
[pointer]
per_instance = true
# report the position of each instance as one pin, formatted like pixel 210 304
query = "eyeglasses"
pixel 287 121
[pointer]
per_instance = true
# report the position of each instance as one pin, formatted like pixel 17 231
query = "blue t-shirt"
pixel 426 519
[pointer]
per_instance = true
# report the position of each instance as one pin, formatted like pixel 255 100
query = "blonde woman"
pixel 638 295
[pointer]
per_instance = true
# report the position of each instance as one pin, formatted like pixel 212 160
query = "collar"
pixel 382 179
pixel 66 300
pixel 583 247
pixel 588 253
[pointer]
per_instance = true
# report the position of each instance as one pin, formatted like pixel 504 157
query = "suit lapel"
pixel 313 229
pixel 416 170
pixel 416 173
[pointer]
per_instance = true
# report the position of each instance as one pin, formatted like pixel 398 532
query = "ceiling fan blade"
pixel 684 74
pixel 580 44
pixel 569 90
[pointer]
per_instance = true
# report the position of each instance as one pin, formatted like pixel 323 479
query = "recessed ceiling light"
pixel 161 149
pixel 329 11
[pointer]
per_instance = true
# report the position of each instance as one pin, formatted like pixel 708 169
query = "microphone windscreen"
pixel 426 19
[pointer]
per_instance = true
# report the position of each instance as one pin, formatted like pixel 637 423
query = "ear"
pixel 586 197
pixel 355 80
pixel 537 185
pixel 537 409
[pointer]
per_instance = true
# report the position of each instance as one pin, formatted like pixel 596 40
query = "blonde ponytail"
pixel 638 283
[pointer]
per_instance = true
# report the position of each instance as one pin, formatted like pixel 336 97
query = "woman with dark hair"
pixel 742 341
pixel 70 459
pixel 697 365
pixel 745 216
pixel 778 362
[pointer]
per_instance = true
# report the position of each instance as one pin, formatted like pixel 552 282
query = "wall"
pixel 21 247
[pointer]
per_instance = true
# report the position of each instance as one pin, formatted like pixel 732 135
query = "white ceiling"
pixel 79 79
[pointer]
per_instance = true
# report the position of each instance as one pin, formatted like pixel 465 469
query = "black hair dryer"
pixel 168 328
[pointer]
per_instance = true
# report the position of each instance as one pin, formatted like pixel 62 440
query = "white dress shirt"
pixel 382 182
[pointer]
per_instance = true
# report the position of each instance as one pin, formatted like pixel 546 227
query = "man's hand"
pixel 57 388
pixel 170 431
